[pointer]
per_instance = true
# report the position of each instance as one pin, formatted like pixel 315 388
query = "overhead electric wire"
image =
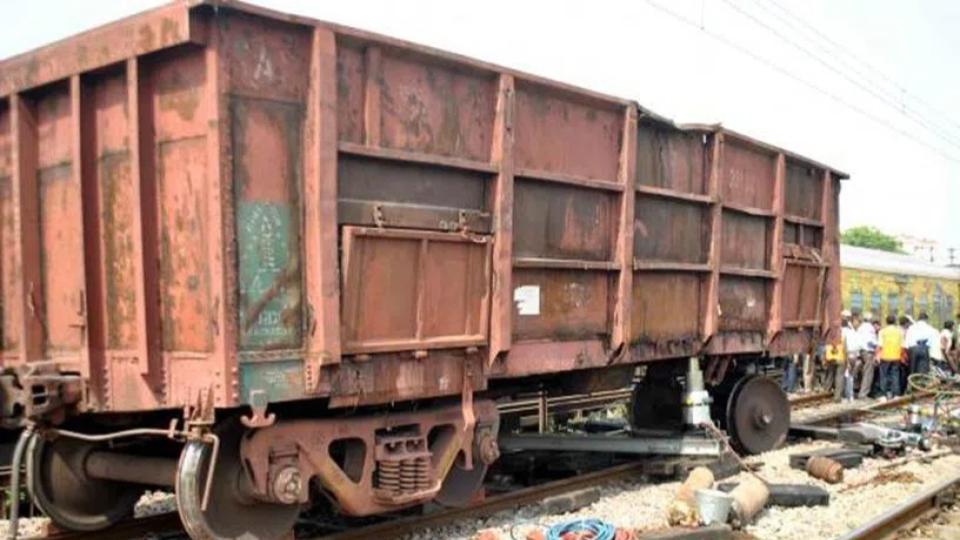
pixel 869 66
pixel 770 64
pixel 946 137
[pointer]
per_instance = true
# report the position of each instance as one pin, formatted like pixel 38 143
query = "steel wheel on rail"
pixel 230 513
pixel 758 415
pixel 58 483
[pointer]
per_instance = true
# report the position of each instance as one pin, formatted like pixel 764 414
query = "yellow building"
pixel 889 283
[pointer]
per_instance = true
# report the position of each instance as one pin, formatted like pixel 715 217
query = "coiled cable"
pixel 598 529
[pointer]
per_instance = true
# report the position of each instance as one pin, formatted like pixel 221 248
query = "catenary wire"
pixel 822 36
pixel 859 110
pixel 908 113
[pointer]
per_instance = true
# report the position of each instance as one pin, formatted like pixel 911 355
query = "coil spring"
pixel 388 476
pixel 423 473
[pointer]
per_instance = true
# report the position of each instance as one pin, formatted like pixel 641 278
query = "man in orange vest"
pixel 889 352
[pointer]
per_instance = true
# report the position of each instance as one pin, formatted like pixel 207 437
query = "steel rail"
pixel 497 503
pixel 859 412
pixel 905 514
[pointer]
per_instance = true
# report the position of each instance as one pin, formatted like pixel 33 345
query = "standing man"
pixel 868 339
pixel 923 342
pixel 852 348
pixel 889 352
pixel 947 347
pixel 904 366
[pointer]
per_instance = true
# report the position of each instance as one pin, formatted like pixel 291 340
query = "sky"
pixel 870 87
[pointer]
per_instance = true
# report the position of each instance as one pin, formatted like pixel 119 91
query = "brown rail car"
pixel 211 205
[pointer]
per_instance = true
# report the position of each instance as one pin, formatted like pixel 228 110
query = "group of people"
pixel 875 360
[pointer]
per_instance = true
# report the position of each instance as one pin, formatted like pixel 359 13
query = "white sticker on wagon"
pixel 527 299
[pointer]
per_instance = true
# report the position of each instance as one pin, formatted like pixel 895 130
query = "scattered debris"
pixel 683 509
pixel 790 495
pixel 825 469
pixel 749 498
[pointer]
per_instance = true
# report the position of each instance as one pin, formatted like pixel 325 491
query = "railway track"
pixel 899 521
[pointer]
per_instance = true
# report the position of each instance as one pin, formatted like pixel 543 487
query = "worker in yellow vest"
pixel 889 352
pixel 834 360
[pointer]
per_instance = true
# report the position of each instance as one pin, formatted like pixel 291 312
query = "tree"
pixel 871 237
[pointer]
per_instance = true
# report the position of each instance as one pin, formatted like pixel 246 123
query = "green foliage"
pixel 871 237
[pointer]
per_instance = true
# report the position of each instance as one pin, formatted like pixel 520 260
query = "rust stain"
pixel 185 103
pixel 145 37
pixel 169 31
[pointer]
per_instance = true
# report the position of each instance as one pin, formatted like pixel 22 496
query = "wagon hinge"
pixel 198 418
pixel 378 215
pixel 468 412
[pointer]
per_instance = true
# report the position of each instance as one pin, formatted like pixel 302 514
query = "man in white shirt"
pixel 923 342
pixel 868 342
pixel 851 341
pixel 947 345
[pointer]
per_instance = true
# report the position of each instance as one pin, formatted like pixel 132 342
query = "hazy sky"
pixel 897 131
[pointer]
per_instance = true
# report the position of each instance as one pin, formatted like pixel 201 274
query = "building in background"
pixel 885 283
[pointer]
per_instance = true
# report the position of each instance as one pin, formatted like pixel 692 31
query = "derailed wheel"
pixel 758 415
pixel 230 514
pixel 58 483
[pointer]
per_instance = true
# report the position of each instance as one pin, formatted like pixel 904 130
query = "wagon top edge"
pixel 171 25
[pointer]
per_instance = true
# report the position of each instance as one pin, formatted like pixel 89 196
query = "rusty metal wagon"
pixel 265 257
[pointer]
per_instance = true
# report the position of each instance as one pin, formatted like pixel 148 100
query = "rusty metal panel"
pixel 667 306
pixel 804 190
pixel 267 170
pixel 671 159
pixel 109 126
pixel 562 222
pixel 263 58
pixel 560 305
pixel 747 175
pixel 433 108
pixel 743 304
pixel 173 92
pixel 137 35
pixel 350 93
pixel 10 301
pixel 745 241
pixel 410 183
pixel 409 290
pixel 557 133
pixel 671 230
pixel 60 224
pixel 801 290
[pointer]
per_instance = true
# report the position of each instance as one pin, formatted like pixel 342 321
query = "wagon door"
pixel 806 258
pixel 413 180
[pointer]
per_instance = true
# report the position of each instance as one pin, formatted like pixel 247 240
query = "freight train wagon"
pixel 264 259
pixel 885 283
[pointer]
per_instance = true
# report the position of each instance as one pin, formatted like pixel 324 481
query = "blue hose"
pixel 601 530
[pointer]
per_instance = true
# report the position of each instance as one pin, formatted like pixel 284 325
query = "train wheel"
pixel 60 487
pixel 758 415
pixel 230 514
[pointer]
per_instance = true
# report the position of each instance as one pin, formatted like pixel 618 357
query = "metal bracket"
pixel 378 216
pixel 259 418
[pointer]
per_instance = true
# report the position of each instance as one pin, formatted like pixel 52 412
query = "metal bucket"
pixel 713 506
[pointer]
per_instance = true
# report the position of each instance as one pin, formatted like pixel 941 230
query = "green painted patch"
pixel 280 379
pixel 269 272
